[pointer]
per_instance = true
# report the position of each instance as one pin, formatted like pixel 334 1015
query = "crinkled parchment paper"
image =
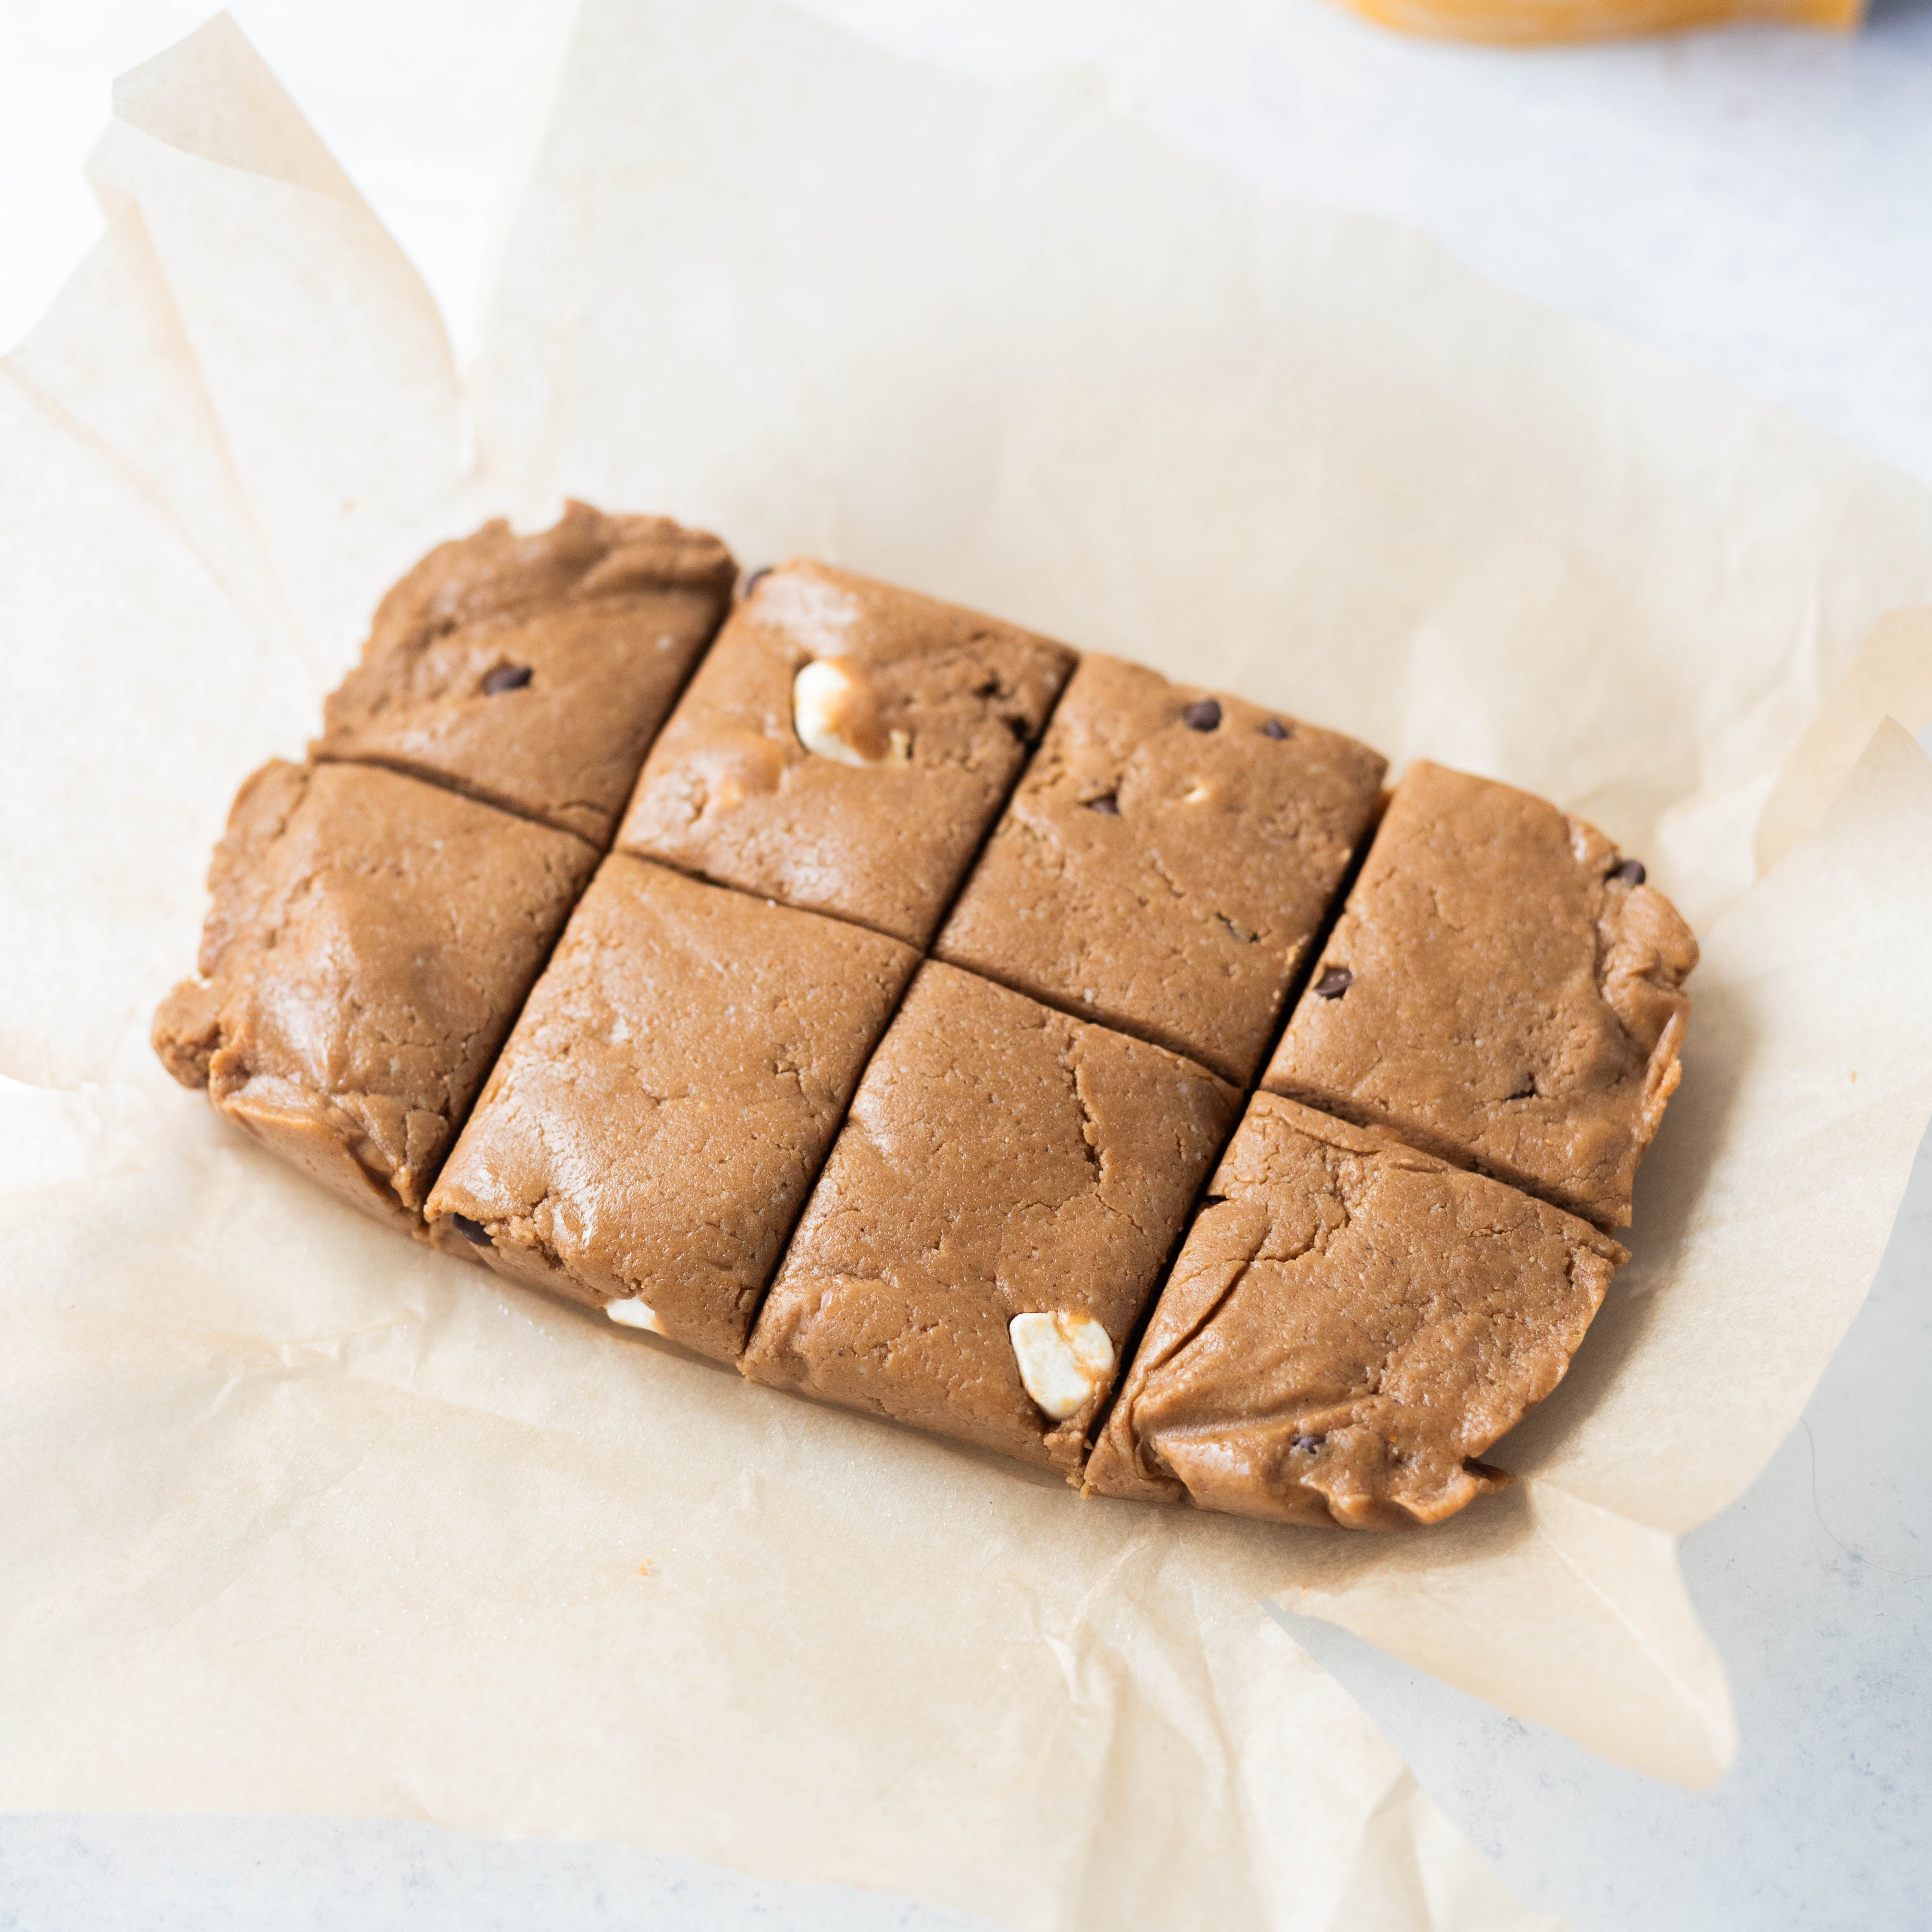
pixel 300 1517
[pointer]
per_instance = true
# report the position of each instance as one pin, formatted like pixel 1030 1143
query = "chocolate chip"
pixel 1108 806
pixel 1333 983
pixel 1631 872
pixel 506 677
pixel 1308 1444
pixel 757 577
pixel 471 1231
pixel 1275 728
pixel 1203 715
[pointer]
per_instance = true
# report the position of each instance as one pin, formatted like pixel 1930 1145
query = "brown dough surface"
pixel 606 614
pixel 1163 877
pixel 1000 1159
pixel 1347 1330
pixel 370 941
pixel 668 1098
pixel 1510 1004
pixel 729 792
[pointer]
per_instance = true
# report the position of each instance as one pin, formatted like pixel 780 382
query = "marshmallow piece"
pixel 835 715
pixel 635 1314
pixel 1064 1360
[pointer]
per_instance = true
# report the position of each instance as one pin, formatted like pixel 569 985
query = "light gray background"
pixel 1759 203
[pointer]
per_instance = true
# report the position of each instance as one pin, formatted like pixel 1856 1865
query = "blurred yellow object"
pixel 1536 23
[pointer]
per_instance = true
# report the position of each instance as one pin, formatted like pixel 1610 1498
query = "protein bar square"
pixel 1166 862
pixel 844 747
pixel 666 1100
pixel 1502 989
pixel 1351 1326
pixel 370 941
pixel 532 672
pixel 992 1222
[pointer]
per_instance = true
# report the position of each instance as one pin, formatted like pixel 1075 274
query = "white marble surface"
pixel 1760 202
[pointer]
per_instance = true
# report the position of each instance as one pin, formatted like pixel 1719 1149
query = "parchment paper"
pixel 301 1518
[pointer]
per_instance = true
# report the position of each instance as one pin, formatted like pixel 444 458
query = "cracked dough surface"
pixel 729 792
pixel 1511 1004
pixel 1163 877
pixel 1350 1324
pixel 533 671
pixel 370 940
pixel 1000 1158
pixel 659 1114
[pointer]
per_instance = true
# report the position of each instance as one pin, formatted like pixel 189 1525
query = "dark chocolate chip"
pixel 1203 715
pixel 1274 728
pixel 1108 806
pixel 1333 983
pixel 471 1231
pixel 1308 1444
pixel 506 677
pixel 757 577
pixel 1631 872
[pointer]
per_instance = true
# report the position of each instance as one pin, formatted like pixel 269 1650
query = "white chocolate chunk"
pixel 832 713
pixel 1064 1360
pixel 635 1314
